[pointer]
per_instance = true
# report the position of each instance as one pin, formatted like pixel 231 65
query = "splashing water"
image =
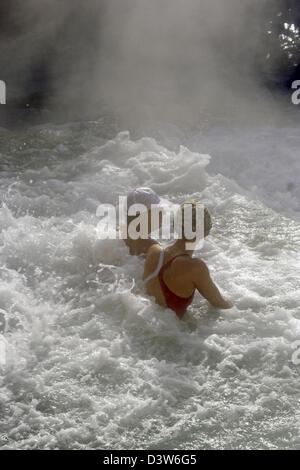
pixel 91 361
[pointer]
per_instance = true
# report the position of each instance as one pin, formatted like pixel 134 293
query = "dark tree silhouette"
pixel 280 41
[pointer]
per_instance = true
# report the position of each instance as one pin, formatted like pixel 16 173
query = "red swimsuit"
pixel 173 301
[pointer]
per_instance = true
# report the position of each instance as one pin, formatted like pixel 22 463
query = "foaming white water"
pixel 91 361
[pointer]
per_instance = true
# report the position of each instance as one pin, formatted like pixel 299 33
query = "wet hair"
pixel 207 218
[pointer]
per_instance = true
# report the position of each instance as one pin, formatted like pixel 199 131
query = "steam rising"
pixel 139 58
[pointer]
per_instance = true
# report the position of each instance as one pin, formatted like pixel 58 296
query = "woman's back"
pixel 166 277
pixel 171 275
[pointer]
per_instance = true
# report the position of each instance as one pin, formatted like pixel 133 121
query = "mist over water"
pixel 164 94
pixel 140 60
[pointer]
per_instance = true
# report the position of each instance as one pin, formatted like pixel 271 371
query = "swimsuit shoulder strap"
pixel 158 267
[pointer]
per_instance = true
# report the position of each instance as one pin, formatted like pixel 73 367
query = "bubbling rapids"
pixel 90 360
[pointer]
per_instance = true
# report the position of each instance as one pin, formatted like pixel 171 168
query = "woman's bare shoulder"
pixel 154 250
pixel 199 265
pixel 192 266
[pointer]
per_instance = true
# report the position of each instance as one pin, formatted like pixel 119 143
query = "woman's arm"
pixel 206 286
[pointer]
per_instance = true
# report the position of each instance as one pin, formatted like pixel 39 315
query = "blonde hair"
pixel 207 218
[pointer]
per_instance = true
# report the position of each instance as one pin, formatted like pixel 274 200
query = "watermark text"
pixel 296 94
pixel 137 221
pixel 2 92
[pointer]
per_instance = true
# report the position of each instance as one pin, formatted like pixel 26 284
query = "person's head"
pixel 198 217
pixel 145 204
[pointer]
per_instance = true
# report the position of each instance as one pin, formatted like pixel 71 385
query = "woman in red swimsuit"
pixel 171 275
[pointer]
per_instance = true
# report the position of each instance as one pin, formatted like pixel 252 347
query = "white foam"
pixel 94 362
